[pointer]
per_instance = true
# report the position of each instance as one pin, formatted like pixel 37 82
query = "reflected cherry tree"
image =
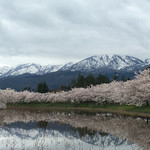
pixel 93 131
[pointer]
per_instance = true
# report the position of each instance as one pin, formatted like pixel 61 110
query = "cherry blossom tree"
pixel 134 92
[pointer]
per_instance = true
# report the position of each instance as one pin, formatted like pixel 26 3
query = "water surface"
pixel 52 130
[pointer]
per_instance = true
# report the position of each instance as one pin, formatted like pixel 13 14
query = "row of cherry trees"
pixel 134 92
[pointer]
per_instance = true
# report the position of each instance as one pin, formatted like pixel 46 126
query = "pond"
pixel 71 130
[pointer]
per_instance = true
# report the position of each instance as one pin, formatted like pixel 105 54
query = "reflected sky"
pixel 24 129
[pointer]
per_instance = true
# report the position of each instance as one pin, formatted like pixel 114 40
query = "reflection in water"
pixel 22 129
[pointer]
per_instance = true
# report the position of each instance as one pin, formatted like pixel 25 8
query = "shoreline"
pixel 119 110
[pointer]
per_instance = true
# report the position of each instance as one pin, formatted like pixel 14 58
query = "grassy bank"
pixel 90 105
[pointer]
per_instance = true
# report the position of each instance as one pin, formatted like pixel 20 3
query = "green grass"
pixel 131 108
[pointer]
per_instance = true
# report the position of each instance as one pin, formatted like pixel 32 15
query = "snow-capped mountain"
pixel 66 66
pixel 50 68
pixel 4 70
pixel 147 61
pixel 97 62
pixel 23 68
pixel 114 62
pixel 57 136
pixel 28 68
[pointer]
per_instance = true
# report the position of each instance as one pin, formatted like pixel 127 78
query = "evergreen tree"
pixel 80 81
pixel 128 78
pixel 115 77
pixel 73 83
pixel 123 78
pixel 42 87
pixel 45 88
pixel 42 124
pixel 27 89
pixel 65 88
pixel 90 79
pixel 102 79
pixel 69 88
pixel 39 87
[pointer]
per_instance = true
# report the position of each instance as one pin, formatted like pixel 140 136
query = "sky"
pixel 62 31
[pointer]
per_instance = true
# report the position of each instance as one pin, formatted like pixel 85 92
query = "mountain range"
pixel 29 75
pixel 103 63
pixel 56 136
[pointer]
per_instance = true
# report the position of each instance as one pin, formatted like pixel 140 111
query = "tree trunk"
pixel 147 104
pixel 147 120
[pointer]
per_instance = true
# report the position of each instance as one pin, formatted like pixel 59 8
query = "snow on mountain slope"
pixel 120 62
pixel 4 69
pixel 66 66
pixel 51 68
pixel 24 68
pixel 28 68
pixel 97 62
pixel 115 62
pixel 31 136
pixel 147 61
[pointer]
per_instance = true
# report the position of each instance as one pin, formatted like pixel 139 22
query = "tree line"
pixel 81 82
pixel 86 81
pixel 133 92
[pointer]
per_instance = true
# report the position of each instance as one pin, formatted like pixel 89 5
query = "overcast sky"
pixel 60 31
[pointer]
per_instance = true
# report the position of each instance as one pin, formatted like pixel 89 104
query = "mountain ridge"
pixel 90 64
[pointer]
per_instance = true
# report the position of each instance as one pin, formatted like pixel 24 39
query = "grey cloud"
pixel 74 28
